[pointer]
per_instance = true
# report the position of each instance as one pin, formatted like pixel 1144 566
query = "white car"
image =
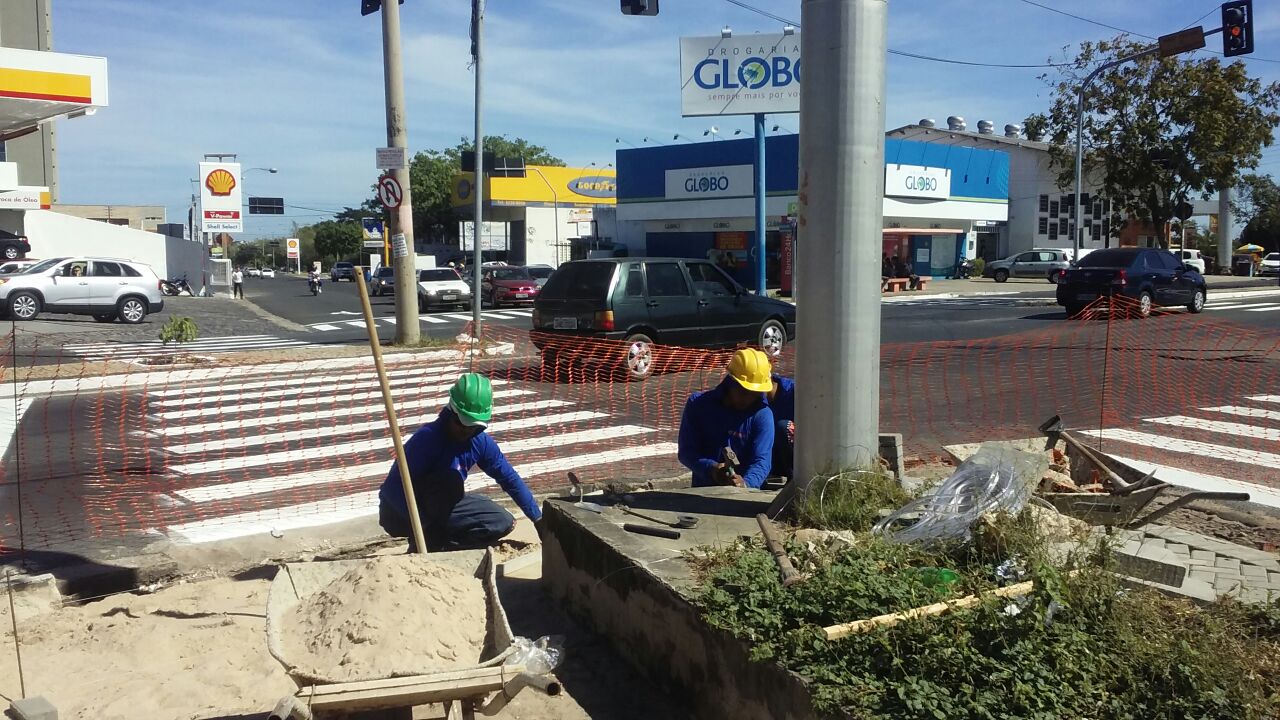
pixel 252 272
pixel 442 286
pixel 268 272
pixel 1192 258
pixel 540 273
pixel 1271 264
pixel 10 267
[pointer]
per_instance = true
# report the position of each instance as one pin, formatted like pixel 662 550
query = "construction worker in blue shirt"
pixel 736 415
pixel 440 456
pixel 782 401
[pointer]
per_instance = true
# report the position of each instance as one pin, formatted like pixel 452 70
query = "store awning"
pixel 36 86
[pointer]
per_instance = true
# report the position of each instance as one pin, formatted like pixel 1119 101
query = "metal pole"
pixel 841 215
pixel 760 198
pixel 1077 241
pixel 555 198
pixel 408 332
pixel 477 14
pixel 1224 229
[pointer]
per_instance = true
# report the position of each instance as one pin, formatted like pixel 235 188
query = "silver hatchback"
pixel 1038 263
pixel 109 289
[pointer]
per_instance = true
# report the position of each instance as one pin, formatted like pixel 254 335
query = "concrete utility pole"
pixel 1224 229
pixel 841 216
pixel 477 21
pixel 407 330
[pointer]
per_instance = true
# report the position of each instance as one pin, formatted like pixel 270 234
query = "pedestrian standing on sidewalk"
pixel 237 283
pixel 440 457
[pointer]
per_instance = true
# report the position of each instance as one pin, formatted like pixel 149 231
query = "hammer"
pixel 729 472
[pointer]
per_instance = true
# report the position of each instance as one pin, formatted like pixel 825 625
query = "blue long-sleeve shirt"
pixel 707 426
pixel 430 450
pixel 783 403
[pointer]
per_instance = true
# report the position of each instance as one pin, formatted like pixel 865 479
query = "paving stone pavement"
pixel 1214 568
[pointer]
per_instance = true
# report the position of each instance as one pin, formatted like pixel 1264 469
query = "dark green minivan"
pixel 655 301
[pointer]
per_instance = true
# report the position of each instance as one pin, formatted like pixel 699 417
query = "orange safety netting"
pixel 231 447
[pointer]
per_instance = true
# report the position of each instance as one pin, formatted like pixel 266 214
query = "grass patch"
pixel 1079 646
pixel 425 342
pixel 849 501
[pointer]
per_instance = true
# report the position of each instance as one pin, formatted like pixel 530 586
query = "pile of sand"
pixel 390 616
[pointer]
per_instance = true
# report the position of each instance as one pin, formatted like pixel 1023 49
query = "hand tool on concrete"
pixel 577 492
pixel 651 530
pixel 729 473
pixel 785 569
pixel 683 522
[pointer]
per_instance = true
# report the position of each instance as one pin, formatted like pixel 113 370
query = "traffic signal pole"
pixel 841 216
pixel 407 330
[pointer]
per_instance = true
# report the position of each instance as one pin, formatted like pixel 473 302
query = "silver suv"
pixel 1037 263
pixel 107 288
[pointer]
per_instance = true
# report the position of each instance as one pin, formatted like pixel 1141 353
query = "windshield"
pixel 517 273
pixel 386 272
pixel 344 265
pixel 582 281
pixel 437 275
pixel 1272 256
pixel 541 272
pixel 1113 258
pixel 42 266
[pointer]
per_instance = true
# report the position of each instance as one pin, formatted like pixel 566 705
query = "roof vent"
pixel 1012 131
pixel 928 123
pixel 986 127
pixel 955 123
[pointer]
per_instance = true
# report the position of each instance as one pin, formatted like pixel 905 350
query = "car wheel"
pixel 24 306
pixel 773 338
pixel 638 363
pixel 131 310
pixel 11 252
pixel 105 317
pixel 1197 302
pixel 1001 275
pixel 1053 277
pixel 1144 304
pixel 422 304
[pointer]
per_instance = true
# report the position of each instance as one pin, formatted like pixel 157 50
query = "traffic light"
pixel 639 7
pixel 1237 27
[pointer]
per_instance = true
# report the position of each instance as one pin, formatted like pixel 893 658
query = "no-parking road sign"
pixel 389 191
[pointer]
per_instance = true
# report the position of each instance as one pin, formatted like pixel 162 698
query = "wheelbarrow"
pixel 1128 491
pixel 487 686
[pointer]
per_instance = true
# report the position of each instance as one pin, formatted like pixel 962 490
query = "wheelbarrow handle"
pixel 1185 500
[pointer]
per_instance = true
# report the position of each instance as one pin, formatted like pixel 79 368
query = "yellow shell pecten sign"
pixel 220 182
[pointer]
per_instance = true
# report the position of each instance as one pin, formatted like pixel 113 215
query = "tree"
pixel 244 254
pixel 1035 126
pixel 338 240
pixel 433 174
pixel 1255 195
pixel 1158 132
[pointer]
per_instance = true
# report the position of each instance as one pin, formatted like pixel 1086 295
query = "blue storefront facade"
pixel 695 200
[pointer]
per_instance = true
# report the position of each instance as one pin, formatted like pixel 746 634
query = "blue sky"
pixel 297 84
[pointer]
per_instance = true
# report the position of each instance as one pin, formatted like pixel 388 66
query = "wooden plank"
pixel 407 691
pixel 835 632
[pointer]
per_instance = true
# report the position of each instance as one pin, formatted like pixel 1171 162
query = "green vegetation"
pixel 1080 646
pixel 849 501
pixel 179 330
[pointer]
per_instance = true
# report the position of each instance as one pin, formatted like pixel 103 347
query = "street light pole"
pixel 477 21
pixel 841 215
pixel 408 331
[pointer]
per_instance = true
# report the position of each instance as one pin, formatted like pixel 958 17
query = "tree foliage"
pixel 338 240
pixel 432 174
pixel 1159 132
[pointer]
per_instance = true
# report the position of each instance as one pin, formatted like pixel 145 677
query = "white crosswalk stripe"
pixel 134 351
pixel 259 455
pixel 1264 307
pixel 454 318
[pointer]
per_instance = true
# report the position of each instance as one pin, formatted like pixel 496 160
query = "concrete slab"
pixel 33 708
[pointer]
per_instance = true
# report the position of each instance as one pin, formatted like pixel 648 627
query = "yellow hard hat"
pixel 752 370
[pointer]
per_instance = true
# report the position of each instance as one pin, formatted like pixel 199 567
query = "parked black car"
pixel 1151 276
pixel 664 301
pixel 13 247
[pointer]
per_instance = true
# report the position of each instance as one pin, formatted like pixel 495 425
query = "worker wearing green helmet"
pixel 440 457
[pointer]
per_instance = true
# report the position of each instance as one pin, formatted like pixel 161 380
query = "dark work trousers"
pixel 784 449
pixel 451 518
pixel 238 290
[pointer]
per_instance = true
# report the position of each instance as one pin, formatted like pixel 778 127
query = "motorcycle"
pixel 315 285
pixel 176 286
pixel 965 270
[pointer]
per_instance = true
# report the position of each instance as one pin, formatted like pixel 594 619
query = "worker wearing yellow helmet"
pixel 734 415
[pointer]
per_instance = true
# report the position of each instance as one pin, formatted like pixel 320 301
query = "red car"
pixel 508 286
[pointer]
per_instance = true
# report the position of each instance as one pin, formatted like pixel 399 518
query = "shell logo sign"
pixel 220 182
pixel 220 201
pixel 291 248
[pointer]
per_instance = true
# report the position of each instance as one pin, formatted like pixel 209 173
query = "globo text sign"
pixel 757 73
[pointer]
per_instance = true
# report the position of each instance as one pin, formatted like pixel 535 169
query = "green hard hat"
pixel 471 399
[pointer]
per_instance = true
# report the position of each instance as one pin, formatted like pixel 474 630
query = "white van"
pixel 1192 258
